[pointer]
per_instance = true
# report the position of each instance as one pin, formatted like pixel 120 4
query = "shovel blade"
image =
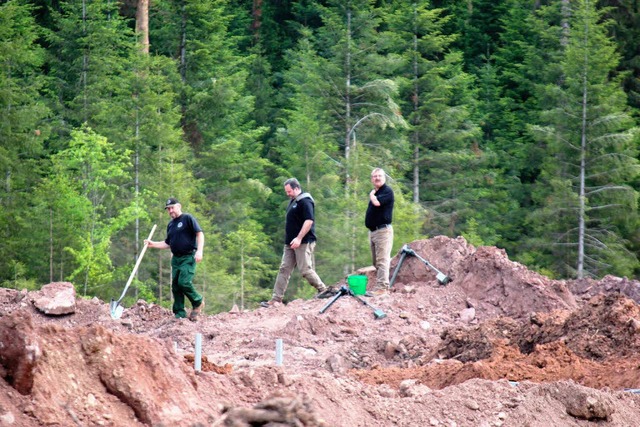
pixel 116 309
pixel 379 314
pixel 443 278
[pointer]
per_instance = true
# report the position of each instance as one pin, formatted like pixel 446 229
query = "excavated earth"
pixel 497 346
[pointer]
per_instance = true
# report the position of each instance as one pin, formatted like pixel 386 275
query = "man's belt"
pixel 183 254
pixel 380 227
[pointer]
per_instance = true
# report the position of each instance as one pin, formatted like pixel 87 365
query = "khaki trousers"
pixel 381 242
pixel 302 257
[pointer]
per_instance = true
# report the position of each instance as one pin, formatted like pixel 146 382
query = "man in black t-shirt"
pixel 378 220
pixel 300 242
pixel 186 241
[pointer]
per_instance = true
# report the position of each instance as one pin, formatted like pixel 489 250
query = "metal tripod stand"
pixel 442 278
pixel 377 313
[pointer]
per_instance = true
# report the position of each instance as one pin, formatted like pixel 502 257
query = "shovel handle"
pixel 135 268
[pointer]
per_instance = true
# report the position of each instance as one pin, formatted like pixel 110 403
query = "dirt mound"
pixel 498 345
pixel 93 376
pixel 587 288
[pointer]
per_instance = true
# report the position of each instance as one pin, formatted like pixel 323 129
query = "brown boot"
pixel 271 303
pixel 196 312
pixel 380 290
pixel 327 293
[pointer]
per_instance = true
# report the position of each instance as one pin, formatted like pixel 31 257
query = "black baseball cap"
pixel 171 201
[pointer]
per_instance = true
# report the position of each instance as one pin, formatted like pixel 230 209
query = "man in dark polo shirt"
pixel 186 241
pixel 378 220
pixel 299 245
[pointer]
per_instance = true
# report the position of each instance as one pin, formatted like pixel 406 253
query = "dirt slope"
pixel 499 345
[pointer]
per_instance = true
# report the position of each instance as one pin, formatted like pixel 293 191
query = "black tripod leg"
pixel 377 313
pixel 443 279
pixel 334 299
pixel 395 272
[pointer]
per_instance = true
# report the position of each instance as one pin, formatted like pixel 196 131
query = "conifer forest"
pixel 511 123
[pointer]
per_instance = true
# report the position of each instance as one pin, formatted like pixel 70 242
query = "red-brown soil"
pixel 499 345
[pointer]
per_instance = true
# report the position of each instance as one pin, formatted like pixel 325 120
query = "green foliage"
pixel 474 110
pixel 247 244
pixel 90 46
pixel 18 281
pixel 625 28
pixel 23 130
pixel 471 235
pixel 585 189
pixel 145 291
pixel 93 169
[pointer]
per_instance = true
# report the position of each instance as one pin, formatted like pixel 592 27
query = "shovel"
pixel 116 308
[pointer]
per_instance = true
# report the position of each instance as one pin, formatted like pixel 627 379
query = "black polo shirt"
pixel 383 214
pixel 181 235
pixel 298 211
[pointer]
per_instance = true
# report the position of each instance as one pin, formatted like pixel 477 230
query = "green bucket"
pixel 357 284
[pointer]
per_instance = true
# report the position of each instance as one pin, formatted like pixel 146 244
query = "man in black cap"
pixel 186 241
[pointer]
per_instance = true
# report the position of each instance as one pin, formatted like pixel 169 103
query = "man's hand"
pixel 158 245
pixel 373 198
pixel 306 226
pixel 199 246
pixel 295 243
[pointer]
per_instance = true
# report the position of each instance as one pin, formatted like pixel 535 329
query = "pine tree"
pixel 94 169
pixel 127 96
pixel 587 201
pixel 91 47
pixel 307 149
pixel 480 24
pixel 223 122
pixel 23 131
pixel 437 93
pixel 526 56
pixel 247 244
pixel 361 99
pixel 625 29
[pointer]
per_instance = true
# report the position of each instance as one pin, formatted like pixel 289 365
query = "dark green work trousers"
pixel 183 268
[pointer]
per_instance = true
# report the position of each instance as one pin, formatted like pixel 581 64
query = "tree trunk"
pixel 583 153
pixel 85 62
pixel 50 245
pixel 242 274
pixel 183 47
pixel 142 24
pixel 160 281
pixel 416 120
pixel 137 194
pixel 347 95
pixel 350 135
pixel 257 19
pixel 566 14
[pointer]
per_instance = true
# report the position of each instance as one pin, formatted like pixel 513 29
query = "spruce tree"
pixel 439 101
pixel 127 96
pixel 93 169
pixel 588 205
pixel 24 128
pixel 307 149
pixel 362 101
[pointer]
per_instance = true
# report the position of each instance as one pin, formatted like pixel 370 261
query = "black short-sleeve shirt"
pixel 298 212
pixel 181 235
pixel 383 214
